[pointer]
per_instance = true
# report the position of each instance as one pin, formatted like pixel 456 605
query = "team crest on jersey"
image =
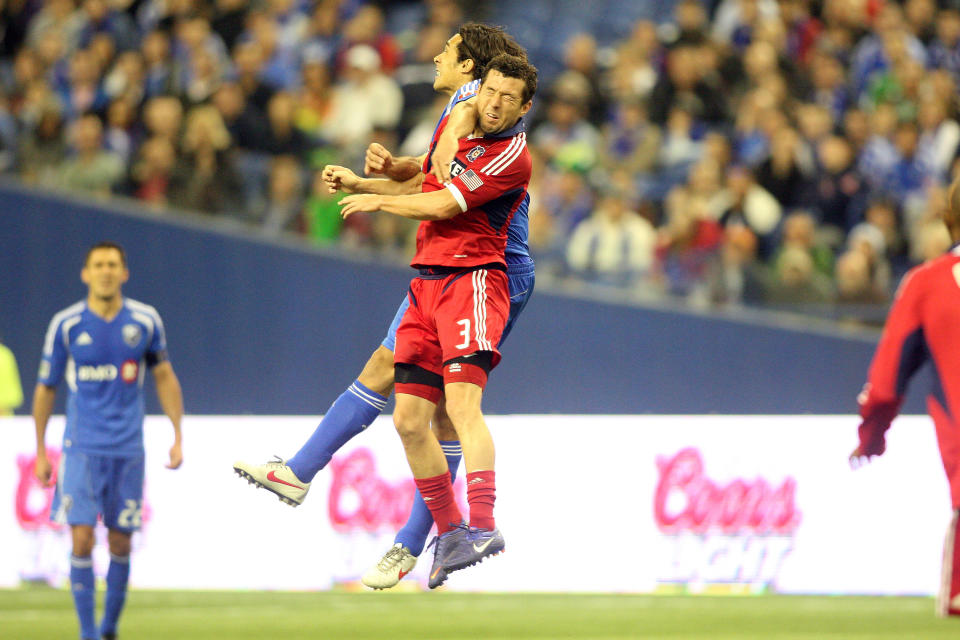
pixel 131 334
pixel 475 153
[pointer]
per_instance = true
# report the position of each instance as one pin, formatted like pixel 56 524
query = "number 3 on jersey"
pixel 465 332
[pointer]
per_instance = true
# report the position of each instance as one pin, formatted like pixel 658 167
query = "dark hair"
pixel 514 67
pixel 482 42
pixel 106 244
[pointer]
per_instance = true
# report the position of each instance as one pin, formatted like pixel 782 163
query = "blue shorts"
pixel 89 485
pixel 520 276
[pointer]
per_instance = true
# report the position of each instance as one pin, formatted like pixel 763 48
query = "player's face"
pixel 449 75
pixel 104 273
pixel 500 102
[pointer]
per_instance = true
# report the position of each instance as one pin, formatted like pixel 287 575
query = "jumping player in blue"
pixel 459 68
pixel 102 346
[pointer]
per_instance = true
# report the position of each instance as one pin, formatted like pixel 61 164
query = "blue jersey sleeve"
pixel 157 349
pixel 53 361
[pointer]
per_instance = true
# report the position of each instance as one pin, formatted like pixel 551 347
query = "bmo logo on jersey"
pixel 97 373
pixel 107 372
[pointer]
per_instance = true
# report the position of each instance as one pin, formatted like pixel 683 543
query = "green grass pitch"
pixel 41 614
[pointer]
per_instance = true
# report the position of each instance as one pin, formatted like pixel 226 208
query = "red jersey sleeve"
pixel 901 351
pixel 506 172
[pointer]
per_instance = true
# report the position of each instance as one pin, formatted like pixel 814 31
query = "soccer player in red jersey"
pixel 459 303
pixel 924 324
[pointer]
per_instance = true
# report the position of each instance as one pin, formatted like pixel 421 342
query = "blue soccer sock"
pixel 117 576
pixel 414 533
pixel 82 587
pixel 350 414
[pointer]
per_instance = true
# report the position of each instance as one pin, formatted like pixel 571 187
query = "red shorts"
pixel 451 317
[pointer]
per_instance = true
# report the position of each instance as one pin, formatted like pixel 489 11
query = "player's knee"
pixel 377 374
pixel 119 543
pixel 82 541
pixel 410 425
pixel 442 426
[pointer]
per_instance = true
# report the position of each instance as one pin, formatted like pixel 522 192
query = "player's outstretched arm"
pixel 338 178
pixel 435 205
pixel 379 160
pixel 170 396
pixel 460 123
pixel 43 397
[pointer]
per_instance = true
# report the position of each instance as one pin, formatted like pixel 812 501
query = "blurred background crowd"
pixel 786 153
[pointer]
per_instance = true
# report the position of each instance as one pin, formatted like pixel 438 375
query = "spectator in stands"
pixel 634 72
pixel 282 136
pixel 367 100
pixel 580 57
pixel 279 63
pixel 248 64
pixel 98 17
pixel 228 20
pixel 614 245
pixel 686 246
pixel 840 196
pixel 126 78
pixel 737 276
pixel 752 206
pixel 683 85
pixel 944 50
pixel 163 116
pixel 879 156
pixel 159 70
pixel 567 139
pixel 908 177
pixel 366 28
pixel 800 232
pixel 630 142
pixel 322 220
pixel 245 123
pixel 680 147
pixel 416 75
pixel 939 138
pixel 854 283
pixel 90 168
pixel 82 92
pixel 120 135
pixel 781 173
pixel 152 173
pixel 204 178
pixel 796 282
pixel 284 205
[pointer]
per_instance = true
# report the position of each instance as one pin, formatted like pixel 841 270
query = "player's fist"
pixel 43 470
pixel 338 178
pixel 377 160
pixel 176 456
pixel 865 451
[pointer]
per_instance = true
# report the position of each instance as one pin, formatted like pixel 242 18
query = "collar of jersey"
pixel 519 127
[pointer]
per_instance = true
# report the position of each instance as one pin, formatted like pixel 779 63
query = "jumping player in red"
pixel 924 324
pixel 459 303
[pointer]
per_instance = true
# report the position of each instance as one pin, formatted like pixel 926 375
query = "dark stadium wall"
pixel 263 327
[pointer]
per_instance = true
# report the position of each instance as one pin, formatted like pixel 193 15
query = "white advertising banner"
pixel 586 503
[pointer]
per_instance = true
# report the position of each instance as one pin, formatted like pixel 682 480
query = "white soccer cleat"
pixel 395 563
pixel 277 477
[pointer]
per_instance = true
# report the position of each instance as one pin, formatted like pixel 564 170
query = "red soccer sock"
pixel 437 493
pixel 481 494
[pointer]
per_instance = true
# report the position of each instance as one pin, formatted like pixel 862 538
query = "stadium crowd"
pixel 779 152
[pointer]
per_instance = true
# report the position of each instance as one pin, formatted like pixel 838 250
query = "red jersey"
pixel 489 177
pixel 924 324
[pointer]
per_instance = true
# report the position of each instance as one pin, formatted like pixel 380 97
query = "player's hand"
pixel 176 456
pixel 359 203
pixel 43 470
pixel 378 159
pixel 442 156
pixel 339 178
pixel 863 454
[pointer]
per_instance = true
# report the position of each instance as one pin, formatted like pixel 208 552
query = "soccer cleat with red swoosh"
pixel 277 477
pixel 395 563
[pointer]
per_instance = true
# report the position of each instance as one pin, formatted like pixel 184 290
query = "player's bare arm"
pixel 171 401
pixel 460 123
pixel 338 178
pixel 435 205
pixel 43 397
pixel 379 160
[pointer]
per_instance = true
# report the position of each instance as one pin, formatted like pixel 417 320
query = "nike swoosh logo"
pixel 482 547
pixel 402 573
pixel 272 477
pixel 436 573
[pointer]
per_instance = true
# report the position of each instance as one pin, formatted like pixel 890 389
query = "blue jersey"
pixel 518 231
pixel 104 364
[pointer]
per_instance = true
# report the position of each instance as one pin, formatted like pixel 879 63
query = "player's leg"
pixel 948 599
pixel 74 504
pixel 123 502
pixel 351 413
pixel 401 558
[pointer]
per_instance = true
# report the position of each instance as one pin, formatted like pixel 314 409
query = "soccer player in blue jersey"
pixel 459 68
pixel 103 346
